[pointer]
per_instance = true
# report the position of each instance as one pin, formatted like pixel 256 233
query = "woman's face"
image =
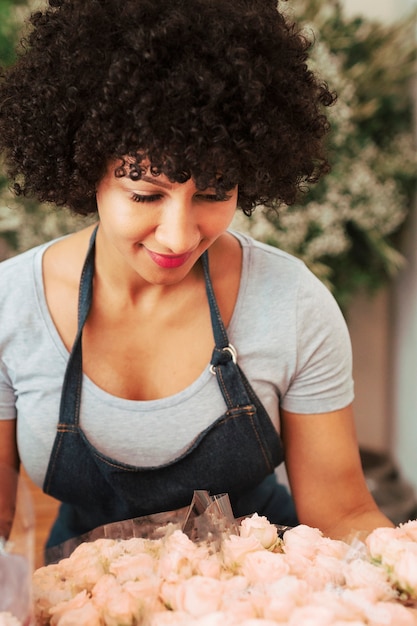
pixel 157 228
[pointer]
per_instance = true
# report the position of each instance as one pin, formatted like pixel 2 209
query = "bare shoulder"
pixel 62 266
pixel 64 259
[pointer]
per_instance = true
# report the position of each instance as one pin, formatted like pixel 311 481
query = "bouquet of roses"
pixel 216 571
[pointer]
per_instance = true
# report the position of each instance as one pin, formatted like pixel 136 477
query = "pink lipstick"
pixel 169 261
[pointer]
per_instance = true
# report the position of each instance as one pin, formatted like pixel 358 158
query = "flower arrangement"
pixel 252 578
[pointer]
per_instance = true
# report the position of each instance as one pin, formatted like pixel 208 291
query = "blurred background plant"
pixel 23 222
pixel 345 228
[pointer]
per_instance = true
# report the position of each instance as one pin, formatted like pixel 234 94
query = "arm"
pixel 325 473
pixel 9 467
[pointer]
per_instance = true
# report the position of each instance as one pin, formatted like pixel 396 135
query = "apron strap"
pixel 235 389
pixel 71 387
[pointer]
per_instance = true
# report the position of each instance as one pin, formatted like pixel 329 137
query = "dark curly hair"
pixel 216 90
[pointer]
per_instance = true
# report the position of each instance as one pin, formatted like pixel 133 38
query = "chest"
pixel 149 348
pixel 147 355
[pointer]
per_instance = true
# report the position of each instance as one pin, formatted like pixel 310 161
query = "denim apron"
pixel 237 454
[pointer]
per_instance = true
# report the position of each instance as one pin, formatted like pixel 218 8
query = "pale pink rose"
pixel 323 570
pixel 258 621
pixel 118 606
pixel 404 571
pixel 261 528
pixel 234 585
pixel 135 545
pixel 210 566
pixel 83 567
pixel 348 622
pixel 333 547
pixel 240 607
pixel 147 590
pixel 49 588
pixel 380 542
pixel 264 566
pixel 311 615
pixel 390 614
pixel 133 567
pixel 235 549
pixel 361 574
pixel 282 596
pixel 377 613
pixel 217 618
pixel 334 600
pixel 408 530
pixel 177 557
pixel 79 610
pixel 7 619
pixel 106 549
pixel 197 595
pixel 171 618
pixel 302 541
pixel 298 564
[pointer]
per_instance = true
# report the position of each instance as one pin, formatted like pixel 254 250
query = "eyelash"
pixel 152 198
pixel 155 197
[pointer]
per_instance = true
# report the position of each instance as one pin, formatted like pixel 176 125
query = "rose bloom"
pixel 381 543
pixel 404 571
pixel 217 618
pixel 408 530
pixel 302 541
pixel 148 592
pixel 240 607
pixel 281 597
pixel 171 618
pixel 210 566
pixel 323 570
pixel 257 622
pixel 360 574
pixel 235 549
pixel 117 605
pixel 334 547
pixel 390 614
pixel 79 610
pixel 177 556
pixel 197 595
pixel 133 567
pixel 264 566
pixel 49 588
pixel 107 550
pixel 84 567
pixel 311 615
pixel 259 527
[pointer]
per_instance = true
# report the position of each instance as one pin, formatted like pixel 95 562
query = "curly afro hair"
pixel 215 90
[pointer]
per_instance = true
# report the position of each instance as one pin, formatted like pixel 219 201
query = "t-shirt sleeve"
pixel 7 395
pixel 323 374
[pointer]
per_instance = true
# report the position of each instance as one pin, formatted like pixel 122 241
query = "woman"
pixel 158 352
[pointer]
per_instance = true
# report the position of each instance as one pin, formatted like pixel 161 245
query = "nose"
pixel 177 231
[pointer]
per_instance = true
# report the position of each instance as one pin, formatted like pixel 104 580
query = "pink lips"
pixel 169 261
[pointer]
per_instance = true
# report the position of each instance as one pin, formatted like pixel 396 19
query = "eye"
pixel 146 198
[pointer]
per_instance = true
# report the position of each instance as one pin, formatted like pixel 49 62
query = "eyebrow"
pixel 155 181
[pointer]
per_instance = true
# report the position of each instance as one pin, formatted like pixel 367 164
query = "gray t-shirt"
pixel 290 336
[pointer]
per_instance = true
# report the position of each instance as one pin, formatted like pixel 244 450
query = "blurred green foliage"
pixel 346 227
